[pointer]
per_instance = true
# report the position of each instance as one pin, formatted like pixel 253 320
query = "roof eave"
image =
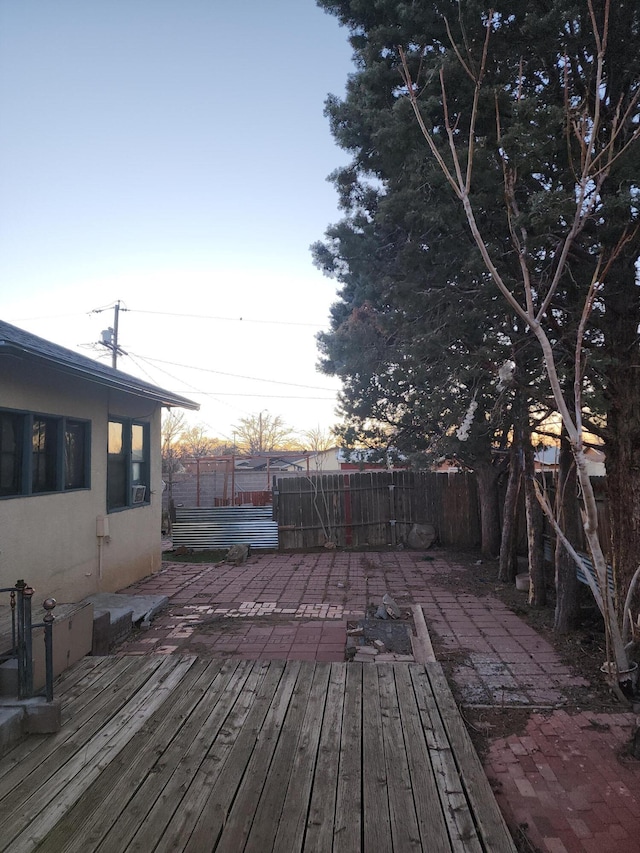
pixel 120 382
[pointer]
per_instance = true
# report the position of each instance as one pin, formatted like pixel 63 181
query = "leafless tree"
pixel 597 152
pixel 263 433
pixel 195 442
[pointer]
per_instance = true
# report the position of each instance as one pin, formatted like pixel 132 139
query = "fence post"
pixel 392 514
pixel 48 604
pixel 24 644
pixel 12 602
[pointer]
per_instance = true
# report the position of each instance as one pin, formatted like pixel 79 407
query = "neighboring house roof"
pixel 370 457
pixel 261 462
pixel 548 457
pixel 17 343
pixel 548 454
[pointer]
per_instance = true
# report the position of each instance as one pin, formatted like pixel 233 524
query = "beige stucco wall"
pixel 325 461
pixel 50 540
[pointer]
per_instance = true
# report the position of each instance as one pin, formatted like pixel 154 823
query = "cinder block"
pixel 42 717
pixel 101 635
pixel 11 728
pixel 72 631
pixel 121 627
pixel 9 678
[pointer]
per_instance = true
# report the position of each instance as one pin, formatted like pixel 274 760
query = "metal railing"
pixel 20 598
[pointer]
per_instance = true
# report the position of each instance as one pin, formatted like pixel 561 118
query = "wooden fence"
pixel 604 522
pixel 375 508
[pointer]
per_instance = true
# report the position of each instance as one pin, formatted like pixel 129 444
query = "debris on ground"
pixel 238 554
pixel 390 606
pixel 421 537
pixel 376 639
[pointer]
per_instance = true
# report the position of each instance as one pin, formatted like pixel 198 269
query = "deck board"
pixel 96 811
pixel 169 801
pixel 431 819
pixel 49 800
pixel 377 826
pixel 246 801
pixel 348 830
pixel 186 755
pixel 227 763
pixel 402 812
pixel 322 816
pixel 291 827
pixel 459 818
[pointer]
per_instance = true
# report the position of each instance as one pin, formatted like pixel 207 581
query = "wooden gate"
pixel 375 508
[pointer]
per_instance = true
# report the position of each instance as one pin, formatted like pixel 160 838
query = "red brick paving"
pixel 567 780
pixel 563 782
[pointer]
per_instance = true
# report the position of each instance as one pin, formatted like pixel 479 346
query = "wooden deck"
pixel 187 754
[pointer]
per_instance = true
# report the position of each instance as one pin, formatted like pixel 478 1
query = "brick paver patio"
pixel 562 783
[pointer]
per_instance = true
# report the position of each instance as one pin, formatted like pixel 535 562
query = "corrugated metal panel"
pixel 221 527
pixel 587 566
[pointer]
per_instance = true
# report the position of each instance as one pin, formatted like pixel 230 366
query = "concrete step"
pixel 11 728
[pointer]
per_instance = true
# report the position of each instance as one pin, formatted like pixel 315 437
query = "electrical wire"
pixel 193 390
pixel 265 396
pixel 226 319
pixel 215 394
pixel 232 375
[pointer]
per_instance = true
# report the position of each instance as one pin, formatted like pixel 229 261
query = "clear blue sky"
pixel 173 154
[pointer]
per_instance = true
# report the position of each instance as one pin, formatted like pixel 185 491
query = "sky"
pixel 173 155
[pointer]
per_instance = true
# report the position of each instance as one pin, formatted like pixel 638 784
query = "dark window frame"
pixel 127 472
pixel 40 466
pixel 74 468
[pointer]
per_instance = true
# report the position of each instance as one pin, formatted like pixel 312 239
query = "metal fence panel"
pixel 221 527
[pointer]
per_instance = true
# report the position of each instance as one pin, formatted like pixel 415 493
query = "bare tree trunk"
pixel 568 515
pixel 623 497
pixel 622 372
pixel 508 564
pixel 535 546
pixel 487 478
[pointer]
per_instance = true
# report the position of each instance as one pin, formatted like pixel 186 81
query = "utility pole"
pixel 110 335
pixel 114 351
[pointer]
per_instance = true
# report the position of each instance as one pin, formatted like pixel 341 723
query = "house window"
pixel 127 464
pixel 11 455
pixel 75 455
pixel 44 463
pixel 42 453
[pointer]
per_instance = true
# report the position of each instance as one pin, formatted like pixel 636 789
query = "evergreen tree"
pixel 405 247
pixel 417 338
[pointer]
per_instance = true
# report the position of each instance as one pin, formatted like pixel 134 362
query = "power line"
pixel 175 314
pixel 266 396
pixel 142 368
pixel 214 394
pixel 226 319
pixel 193 390
pixel 234 375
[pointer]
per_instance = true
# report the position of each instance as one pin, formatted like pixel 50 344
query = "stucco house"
pixel 80 470
pixel 547 458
